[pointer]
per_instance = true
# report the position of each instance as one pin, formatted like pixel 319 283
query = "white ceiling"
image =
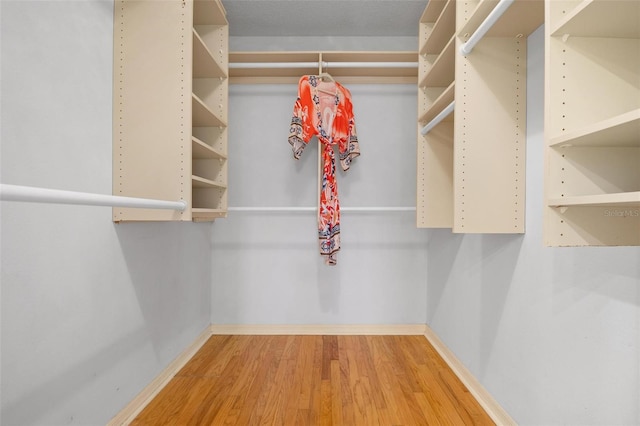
pixel 340 18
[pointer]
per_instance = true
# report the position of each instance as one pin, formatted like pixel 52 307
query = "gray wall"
pixel 552 333
pixel 91 311
pixel 267 267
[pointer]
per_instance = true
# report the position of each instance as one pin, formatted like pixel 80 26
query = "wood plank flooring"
pixel 315 380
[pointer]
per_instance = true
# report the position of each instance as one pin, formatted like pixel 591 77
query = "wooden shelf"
pixel 592 123
pixel 442 72
pixel 600 18
pixel 202 115
pixel 209 12
pixel 204 64
pixel 201 150
pixel 443 30
pixel 439 104
pixel 297 64
pixel 199 182
pixel 624 199
pixel 520 19
pixel 408 74
pixel 205 215
pixel 433 11
pixel 622 130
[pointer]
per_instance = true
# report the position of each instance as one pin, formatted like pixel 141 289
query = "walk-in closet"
pixel 308 212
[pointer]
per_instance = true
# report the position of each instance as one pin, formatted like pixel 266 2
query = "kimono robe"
pixel 324 109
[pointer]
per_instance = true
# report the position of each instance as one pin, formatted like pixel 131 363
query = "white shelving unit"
pixel 170 107
pixel 471 166
pixel 592 115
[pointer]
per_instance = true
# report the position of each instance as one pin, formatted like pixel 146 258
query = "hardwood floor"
pixel 315 380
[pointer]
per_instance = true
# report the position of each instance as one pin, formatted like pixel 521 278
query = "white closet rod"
pixel 253 65
pixel 438 118
pixel 486 25
pixel 56 196
pixel 314 209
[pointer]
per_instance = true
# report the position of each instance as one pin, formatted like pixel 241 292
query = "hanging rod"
pixel 56 196
pixel 254 65
pixel 314 209
pixel 438 118
pixel 486 25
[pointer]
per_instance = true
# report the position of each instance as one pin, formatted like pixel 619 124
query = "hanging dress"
pixel 324 109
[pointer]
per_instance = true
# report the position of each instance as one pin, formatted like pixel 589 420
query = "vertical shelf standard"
pixel 170 107
pixel 592 116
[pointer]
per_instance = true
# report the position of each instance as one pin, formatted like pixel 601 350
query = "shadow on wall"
pixel 46 397
pixel 609 271
pixel 471 275
pixel 442 249
pixel 329 284
pixel 499 256
pixel 170 269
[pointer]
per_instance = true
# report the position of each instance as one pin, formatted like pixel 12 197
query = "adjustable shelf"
pixel 623 199
pixel 443 29
pixel 209 12
pixel 621 130
pixel 203 115
pixel 199 182
pixel 203 151
pixel 347 67
pixel 442 71
pixel 444 98
pixel 207 215
pixel 596 18
pixel 167 52
pixel 204 64
pixel 208 195
pixel 592 116
pixel 471 166
pixel 427 21
pixel 520 19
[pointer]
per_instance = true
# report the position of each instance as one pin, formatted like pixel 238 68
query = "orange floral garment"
pixel 324 109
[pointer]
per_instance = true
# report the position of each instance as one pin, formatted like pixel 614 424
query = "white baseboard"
pixel 131 411
pixel 493 409
pixel 320 329
pixel 484 398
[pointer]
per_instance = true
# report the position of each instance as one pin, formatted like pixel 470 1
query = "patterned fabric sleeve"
pixel 299 134
pixel 349 146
